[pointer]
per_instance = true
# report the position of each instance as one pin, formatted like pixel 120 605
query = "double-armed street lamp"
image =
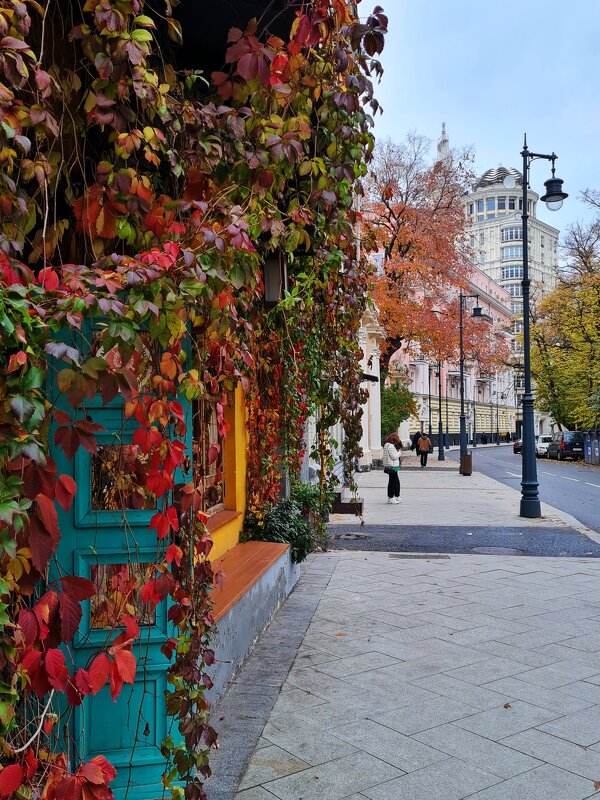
pixel 530 499
pixel 477 314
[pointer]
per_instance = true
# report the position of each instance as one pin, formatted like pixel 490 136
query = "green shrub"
pixel 283 522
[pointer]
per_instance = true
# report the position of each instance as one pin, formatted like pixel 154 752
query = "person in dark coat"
pixel 414 439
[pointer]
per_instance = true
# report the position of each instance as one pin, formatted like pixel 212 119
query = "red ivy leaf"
pixel 126 665
pixel 41 544
pixel 58 673
pixel 83 681
pixel 68 438
pixel 70 616
pixel 65 491
pixel 29 625
pixel 174 553
pixel 49 515
pixel 99 672
pixel 78 588
pixel 164 521
pixel 11 778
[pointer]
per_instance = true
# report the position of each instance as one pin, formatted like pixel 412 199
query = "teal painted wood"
pixel 127 732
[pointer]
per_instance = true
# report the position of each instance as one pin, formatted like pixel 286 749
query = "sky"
pixel 493 71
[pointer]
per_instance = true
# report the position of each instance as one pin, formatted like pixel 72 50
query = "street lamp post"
pixel 429 399
pixel 530 499
pixel 447 426
pixel 477 312
pixel 441 454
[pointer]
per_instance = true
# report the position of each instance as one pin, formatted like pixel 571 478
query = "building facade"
pixel 490 399
pixel 494 208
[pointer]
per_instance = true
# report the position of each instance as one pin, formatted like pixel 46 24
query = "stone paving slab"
pixel 445 720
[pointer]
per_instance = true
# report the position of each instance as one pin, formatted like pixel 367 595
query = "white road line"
pixel 593 484
pixel 549 473
pixel 514 474
pixel 570 479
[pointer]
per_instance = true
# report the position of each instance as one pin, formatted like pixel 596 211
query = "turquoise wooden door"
pixel 105 545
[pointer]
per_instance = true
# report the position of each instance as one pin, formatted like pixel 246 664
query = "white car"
pixel 541 445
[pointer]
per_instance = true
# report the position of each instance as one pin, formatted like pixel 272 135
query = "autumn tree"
pixel 415 218
pixel 566 332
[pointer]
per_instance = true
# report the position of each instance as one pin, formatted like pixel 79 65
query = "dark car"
pixel 517 445
pixel 567 444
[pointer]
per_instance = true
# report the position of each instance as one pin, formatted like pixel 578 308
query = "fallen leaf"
pixel 596 785
pixel 507 705
pixel 340 633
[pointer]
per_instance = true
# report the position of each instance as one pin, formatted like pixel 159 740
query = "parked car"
pixel 568 444
pixel 517 445
pixel 541 445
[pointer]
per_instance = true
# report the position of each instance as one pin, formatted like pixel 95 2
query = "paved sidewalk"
pixel 434 678
pixel 448 498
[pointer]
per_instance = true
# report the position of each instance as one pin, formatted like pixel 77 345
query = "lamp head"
pixel 554 194
pixel 477 311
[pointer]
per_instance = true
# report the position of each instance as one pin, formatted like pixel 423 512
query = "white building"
pixel 494 208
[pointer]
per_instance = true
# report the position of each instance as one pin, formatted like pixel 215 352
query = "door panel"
pixel 103 543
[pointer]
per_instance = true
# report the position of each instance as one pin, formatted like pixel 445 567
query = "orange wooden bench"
pixel 242 566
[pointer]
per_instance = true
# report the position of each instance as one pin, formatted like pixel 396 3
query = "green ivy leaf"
pixel 22 408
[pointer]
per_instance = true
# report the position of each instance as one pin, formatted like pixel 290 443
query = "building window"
pixel 542 240
pixel 491 204
pixel 515 289
pixel 513 252
pixel 516 308
pixel 501 203
pixel 512 234
pixel 473 242
pixel 520 204
pixel 471 208
pixel 511 203
pixel 481 238
pixel 479 217
pixel 513 271
pixel 480 206
pixel 208 455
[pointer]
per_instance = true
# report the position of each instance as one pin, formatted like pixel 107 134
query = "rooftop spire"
pixel 443 148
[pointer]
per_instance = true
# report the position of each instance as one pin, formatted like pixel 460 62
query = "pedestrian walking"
pixel 391 467
pixel 423 448
pixel 414 439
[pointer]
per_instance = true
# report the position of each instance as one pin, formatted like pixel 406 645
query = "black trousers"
pixel 393 489
pixel 424 459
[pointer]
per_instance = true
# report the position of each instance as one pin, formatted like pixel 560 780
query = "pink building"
pixel 490 399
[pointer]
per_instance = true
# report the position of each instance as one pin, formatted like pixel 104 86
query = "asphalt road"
pixel 557 542
pixel 570 486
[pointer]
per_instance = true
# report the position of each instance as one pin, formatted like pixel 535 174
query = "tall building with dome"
pixel 495 228
pixel 496 235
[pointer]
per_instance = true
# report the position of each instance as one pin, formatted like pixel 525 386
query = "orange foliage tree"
pixel 414 216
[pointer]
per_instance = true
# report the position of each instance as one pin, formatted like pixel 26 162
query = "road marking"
pixel 570 479
pixel 514 474
pixel 549 473
pixel 593 484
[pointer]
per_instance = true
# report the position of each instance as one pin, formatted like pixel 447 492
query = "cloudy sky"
pixel 493 70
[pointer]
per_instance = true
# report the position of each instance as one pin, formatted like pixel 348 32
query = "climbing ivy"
pixel 139 201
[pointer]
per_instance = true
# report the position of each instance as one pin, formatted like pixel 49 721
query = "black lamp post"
pixel 447 426
pixel 530 499
pixel 477 313
pixel 429 399
pixel 441 454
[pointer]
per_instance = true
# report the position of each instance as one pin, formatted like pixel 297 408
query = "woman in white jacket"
pixel 391 466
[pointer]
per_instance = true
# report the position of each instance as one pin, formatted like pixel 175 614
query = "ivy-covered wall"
pixel 139 201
